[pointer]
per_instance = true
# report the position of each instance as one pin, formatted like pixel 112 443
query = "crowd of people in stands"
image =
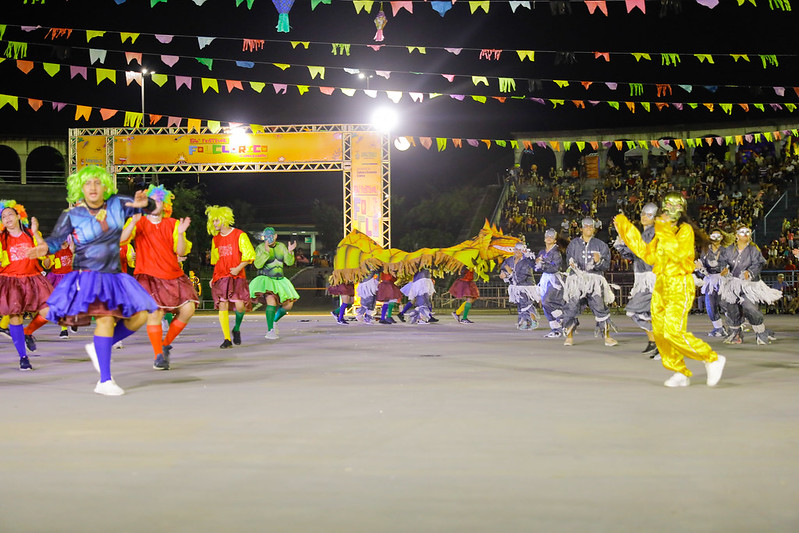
pixel 720 196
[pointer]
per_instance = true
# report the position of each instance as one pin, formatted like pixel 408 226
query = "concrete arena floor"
pixel 400 428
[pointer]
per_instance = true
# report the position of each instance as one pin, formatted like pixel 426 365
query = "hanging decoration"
pixel 380 23
pixel 283 7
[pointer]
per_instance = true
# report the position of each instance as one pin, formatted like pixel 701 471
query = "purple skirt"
pixel 54 278
pixel 84 294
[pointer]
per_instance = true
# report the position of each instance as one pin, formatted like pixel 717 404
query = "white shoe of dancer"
pixel 677 380
pixel 109 388
pixel 714 371
pixel 93 356
pixel 271 335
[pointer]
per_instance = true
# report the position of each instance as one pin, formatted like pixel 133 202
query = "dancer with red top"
pixel 160 240
pixel 231 252
pixel 23 289
pixel 464 288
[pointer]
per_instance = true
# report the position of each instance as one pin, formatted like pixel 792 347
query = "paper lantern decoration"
pixel 283 7
pixel 380 23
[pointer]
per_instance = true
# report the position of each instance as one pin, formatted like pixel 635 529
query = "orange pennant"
pixel 233 84
pixel 586 84
pixel 154 119
pixel 82 111
pixel 24 66
pixel 108 113
pixel 35 104
pixel 458 143
pixel 579 104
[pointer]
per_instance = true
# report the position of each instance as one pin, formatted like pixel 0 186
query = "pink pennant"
pixel 593 4
pixel 375 47
pixel 58 106
pixel 749 137
pixel 632 4
pixel 427 142
pixel 77 71
pixel 780 91
pixel 29 29
pixel 593 102
pixel 133 56
pixel 173 121
pixel 677 106
pixel 182 80
pixel 383 73
pixel 537 100
pixel 449 77
pixel 458 97
pixel 708 3
pixel 170 60
pixel 612 85
pixel 165 39
pixel 133 76
pixel 396 6
pixel 327 90
pixel 280 88
pixel 473 142
pixel 233 84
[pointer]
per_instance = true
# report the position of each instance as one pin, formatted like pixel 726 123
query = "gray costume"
pixel 737 261
pixel 640 303
pixel 711 268
pixel 589 282
pixel 522 290
pixel 551 285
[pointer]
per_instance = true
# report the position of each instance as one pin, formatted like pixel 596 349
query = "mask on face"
pixel 673 205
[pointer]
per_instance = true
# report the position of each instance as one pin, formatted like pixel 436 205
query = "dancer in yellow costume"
pixel 671 254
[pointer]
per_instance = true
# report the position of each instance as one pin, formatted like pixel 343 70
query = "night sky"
pixel 564 46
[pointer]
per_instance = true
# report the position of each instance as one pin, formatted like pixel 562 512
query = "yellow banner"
pixel 91 151
pixel 367 193
pixel 192 148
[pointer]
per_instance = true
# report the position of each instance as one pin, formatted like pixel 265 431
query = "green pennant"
pixel 205 61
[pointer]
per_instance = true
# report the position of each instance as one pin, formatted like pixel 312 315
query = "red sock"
pixel 174 330
pixel 154 333
pixel 35 324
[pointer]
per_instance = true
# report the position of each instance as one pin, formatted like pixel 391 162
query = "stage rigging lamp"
pixel 402 143
pixel 385 119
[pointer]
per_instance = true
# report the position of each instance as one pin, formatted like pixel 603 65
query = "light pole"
pixel 144 73
pixel 367 77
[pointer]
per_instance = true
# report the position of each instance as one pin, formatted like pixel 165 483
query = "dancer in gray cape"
pixel 640 302
pixel 517 271
pixel 550 285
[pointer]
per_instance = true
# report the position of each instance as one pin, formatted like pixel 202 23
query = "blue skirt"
pixel 84 294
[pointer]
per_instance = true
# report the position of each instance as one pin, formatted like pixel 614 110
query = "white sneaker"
pixel 677 380
pixel 118 345
pixel 93 356
pixel 714 371
pixel 271 335
pixel 109 388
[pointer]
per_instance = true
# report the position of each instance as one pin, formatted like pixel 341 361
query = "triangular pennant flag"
pixel 133 56
pixel 474 5
pixel 24 65
pixel 83 111
pixel 182 80
pixel 205 61
pixel 194 124
pixel 416 97
pixel 97 55
pixel 519 3
pixel 173 121
pixel 348 91
pixel 632 4
pixel 35 104
pixel 106 73
pixel 108 113
pixel 362 4
pixel 125 36
pixel 427 142
pixel 396 6
pixel 169 60
pixel 133 120
pixel 209 83
pixel 303 89
pixel 13 101
pixel 280 88
pixel 91 34
pixel 159 79
pixel 567 146
pixel 164 39
pixel 441 142
pixel 315 3
pixel 213 125
pixel 555 145
pixel 317 71
pixel 487 142
pixel 592 5
pixel 441 6
pixel 154 119
pixel 78 71
pixel 371 93
pixel 204 41
pixel 233 84
pixel 457 143
pixel 327 90
pixel 525 54
pixel 394 96
pixel 257 86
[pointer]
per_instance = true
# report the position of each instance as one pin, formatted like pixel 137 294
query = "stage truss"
pixel 347 131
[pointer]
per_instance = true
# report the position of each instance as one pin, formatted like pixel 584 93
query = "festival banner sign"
pixel 188 148
pixel 367 193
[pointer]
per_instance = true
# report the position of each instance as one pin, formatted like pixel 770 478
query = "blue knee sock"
pixel 120 332
pixel 280 313
pixel 102 346
pixel 341 311
pixel 18 338
pixel 407 306
pixel 383 311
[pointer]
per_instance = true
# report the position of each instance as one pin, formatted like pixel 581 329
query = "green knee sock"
pixel 280 313
pixel 390 309
pixel 270 317
pixel 239 318
pixel 466 308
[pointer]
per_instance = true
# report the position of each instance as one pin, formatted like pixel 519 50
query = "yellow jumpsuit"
pixel 671 254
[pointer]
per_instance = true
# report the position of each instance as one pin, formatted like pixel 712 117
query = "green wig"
pixel 75 183
pixel 214 212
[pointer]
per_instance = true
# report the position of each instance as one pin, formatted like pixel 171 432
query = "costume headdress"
pixel 162 194
pixel 220 212
pixel 551 233
pixel 269 234
pixel 650 209
pixel 75 182
pixel 19 208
